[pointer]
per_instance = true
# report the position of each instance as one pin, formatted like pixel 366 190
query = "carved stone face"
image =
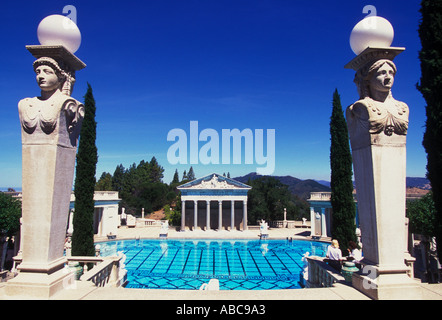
pixel 47 79
pixel 382 79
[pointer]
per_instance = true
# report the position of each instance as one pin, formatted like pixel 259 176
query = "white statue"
pixel 263 226
pixel 164 228
pixel 50 128
pixel 39 116
pixel 377 110
pixel 304 271
pixel 377 127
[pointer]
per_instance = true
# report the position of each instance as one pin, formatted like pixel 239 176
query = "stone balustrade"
pixel 109 273
pixel 106 272
pixel 320 274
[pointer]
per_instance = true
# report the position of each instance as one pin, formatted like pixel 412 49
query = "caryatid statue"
pixel 377 112
pixel 50 128
pixel 377 126
pixel 41 115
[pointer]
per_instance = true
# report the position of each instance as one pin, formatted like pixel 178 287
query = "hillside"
pixel 420 183
pixel 301 188
pixel 412 182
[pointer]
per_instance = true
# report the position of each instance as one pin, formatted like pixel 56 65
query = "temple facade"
pixel 214 202
pixel 321 214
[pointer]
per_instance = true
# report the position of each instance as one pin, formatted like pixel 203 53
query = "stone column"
pixel 285 223
pixel 208 215
pixel 324 224
pixel 220 215
pixel 312 221
pixel 377 125
pixel 50 126
pixel 232 215
pixel 244 217
pixel 183 215
pixel 195 214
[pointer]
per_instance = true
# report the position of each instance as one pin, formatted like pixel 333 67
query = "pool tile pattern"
pixel 237 264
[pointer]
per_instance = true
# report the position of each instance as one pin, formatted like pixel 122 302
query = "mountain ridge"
pixel 299 187
pixel 302 188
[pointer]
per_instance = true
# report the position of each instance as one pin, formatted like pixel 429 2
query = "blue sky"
pixel 257 64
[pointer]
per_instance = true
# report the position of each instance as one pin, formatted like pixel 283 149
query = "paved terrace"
pixel 152 232
pixel 341 291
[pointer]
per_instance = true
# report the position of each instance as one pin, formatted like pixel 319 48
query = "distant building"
pixel 214 202
pixel 321 211
pixel 106 218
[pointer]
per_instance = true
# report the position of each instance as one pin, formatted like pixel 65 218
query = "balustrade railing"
pixel 106 272
pixel 109 273
pixel 320 274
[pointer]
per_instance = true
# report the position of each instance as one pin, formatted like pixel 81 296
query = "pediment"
pixel 213 181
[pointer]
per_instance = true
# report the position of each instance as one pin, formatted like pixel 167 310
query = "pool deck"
pixel 340 291
pixel 152 232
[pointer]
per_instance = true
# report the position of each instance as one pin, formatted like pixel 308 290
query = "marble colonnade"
pixel 204 193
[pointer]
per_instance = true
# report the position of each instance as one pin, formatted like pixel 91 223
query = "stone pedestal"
pixel 47 184
pixel 50 131
pixel 380 184
pixel 386 284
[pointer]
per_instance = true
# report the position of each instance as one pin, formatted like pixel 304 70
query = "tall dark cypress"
pixel 344 211
pixel 83 235
pixel 430 33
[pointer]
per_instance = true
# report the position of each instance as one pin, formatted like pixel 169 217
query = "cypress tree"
pixel 83 235
pixel 344 210
pixel 176 178
pixel 191 174
pixel 430 33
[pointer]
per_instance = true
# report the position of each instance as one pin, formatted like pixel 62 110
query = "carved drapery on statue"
pixel 377 111
pixel 39 116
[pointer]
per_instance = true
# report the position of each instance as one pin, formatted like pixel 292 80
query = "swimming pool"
pixel 237 264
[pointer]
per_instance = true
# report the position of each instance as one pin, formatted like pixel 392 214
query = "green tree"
pixel 344 210
pixel 422 219
pixel 422 214
pixel 104 183
pixel 83 235
pixel 173 215
pixel 191 174
pixel 184 176
pixel 140 186
pixel 117 178
pixel 155 171
pixel 430 33
pixel 176 178
pixel 10 213
pixel 268 198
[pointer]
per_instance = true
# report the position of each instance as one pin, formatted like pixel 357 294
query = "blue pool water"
pixel 237 264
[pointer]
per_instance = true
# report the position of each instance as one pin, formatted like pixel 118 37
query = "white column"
pixel 323 223
pixel 208 215
pixel 220 215
pixel 312 221
pixel 183 214
pixel 71 219
pixel 142 213
pixel 244 218
pixel 232 215
pixel 195 214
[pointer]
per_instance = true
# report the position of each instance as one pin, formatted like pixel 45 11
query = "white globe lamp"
pixel 371 32
pixel 59 30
